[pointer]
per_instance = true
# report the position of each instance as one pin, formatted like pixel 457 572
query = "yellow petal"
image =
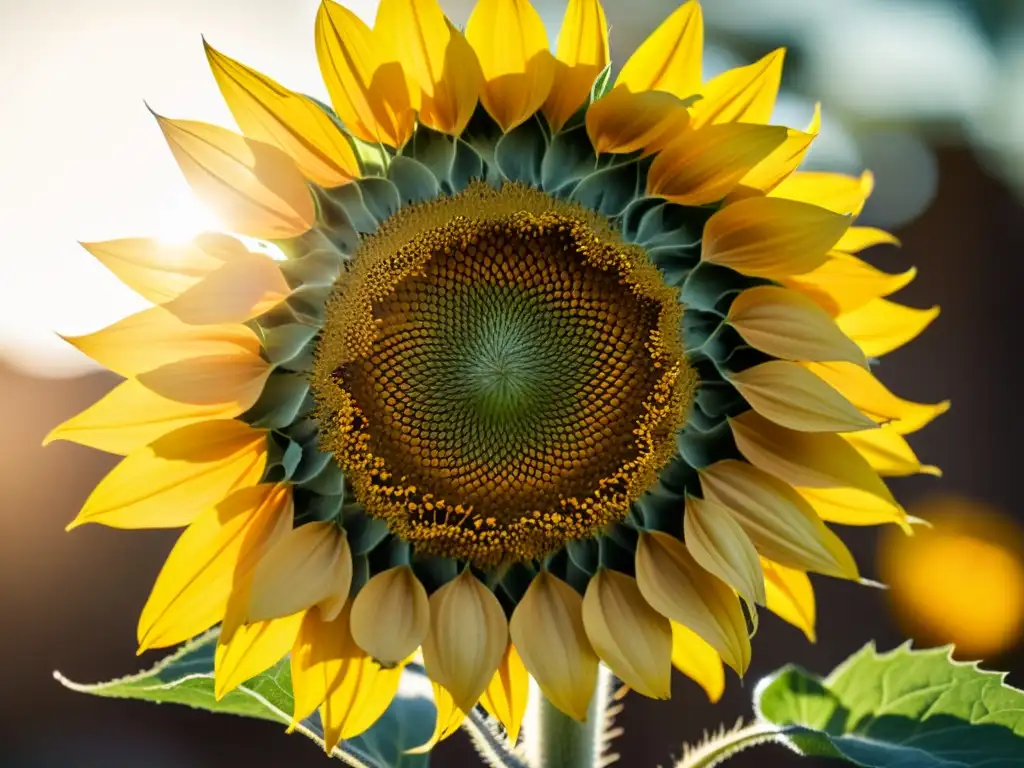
pixel 698 661
pixel 245 287
pixel 318 655
pixel 252 649
pixel 790 395
pixel 845 283
pixel 835 191
pixel 267 111
pixel 437 57
pixel 512 46
pixel 156 271
pixel 547 630
pixel 778 521
pixel 581 55
pixel 131 416
pixel 785 159
pixel 822 467
pixel 506 696
pixel 881 326
pixel 790 596
pixel 721 547
pixel 790 326
pixel 873 399
pixel 771 237
pixel 235 379
pixel 361 694
pixel 369 93
pixel 633 639
pixel 889 453
pixel 857 239
pixel 677 587
pixel 168 483
pixel 253 187
pixel 309 565
pixel 622 121
pixel 703 166
pixel 155 337
pixel 745 94
pixel 447 720
pixel 670 58
pixel 467 638
pixel 222 545
pixel 391 615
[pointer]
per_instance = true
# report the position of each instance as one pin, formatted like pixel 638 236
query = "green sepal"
pixel 702 449
pixel 677 477
pixel 364 532
pixel 330 481
pixel 602 83
pixel 520 152
pixel 317 268
pixel 315 507
pixel 516 580
pixel 334 221
pixel 569 158
pixel 286 342
pixel 308 303
pixel 415 182
pixel 283 456
pixel 350 199
pixel 709 285
pixel 381 197
pixel 284 398
pixel 661 509
pixel 433 571
pixel 610 190
pixel 585 554
pixel 467 167
pixel 314 461
pixel 435 151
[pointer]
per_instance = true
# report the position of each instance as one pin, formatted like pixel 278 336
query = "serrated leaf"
pixel 902 709
pixel 186 677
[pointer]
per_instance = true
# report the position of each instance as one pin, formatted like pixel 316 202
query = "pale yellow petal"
pixel 746 94
pixel 790 596
pixel 779 522
pixel 267 111
pixel 845 283
pixel 467 638
pixel 506 696
pixel 254 187
pixel 222 545
pixel 889 453
pixel 391 615
pixel 580 56
pixel 437 57
pixel 155 270
pixel 155 337
pixel 698 661
pixel 547 630
pixel 791 395
pixel 822 467
pixel 857 239
pixel 721 547
pixel 252 649
pixel 235 379
pixel 512 46
pixel 677 587
pixel 309 565
pixel 670 58
pixel 369 94
pixel 790 326
pixel 167 483
pixel 622 122
pixel 633 639
pixel 771 237
pixel 880 326
pixel 835 191
pixel 131 416
pixel 703 166
pixel 873 399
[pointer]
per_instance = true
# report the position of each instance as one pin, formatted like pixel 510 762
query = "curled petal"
pixel 391 615
pixel 881 326
pixel 622 121
pixel 670 58
pixel 633 639
pixel 255 188
pixel 785 159
pixel 467 638
pixel 857 239
pixel 677 587
pixel 581 55
pixel 741 95
pixel 547 630
pixel 169 482
pixel 721 546
pixel 512 46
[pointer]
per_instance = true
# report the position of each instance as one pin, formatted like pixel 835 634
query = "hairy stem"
pixel 558 741
pixel 718 749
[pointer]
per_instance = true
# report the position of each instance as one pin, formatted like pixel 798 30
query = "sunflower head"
pixel 550 359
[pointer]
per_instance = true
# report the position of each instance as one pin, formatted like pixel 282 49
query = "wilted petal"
pixel 391 615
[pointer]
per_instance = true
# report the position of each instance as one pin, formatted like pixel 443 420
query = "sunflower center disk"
pixel 499 384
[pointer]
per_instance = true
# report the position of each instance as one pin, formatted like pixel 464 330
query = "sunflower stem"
pixel 558 741
pixel 720 747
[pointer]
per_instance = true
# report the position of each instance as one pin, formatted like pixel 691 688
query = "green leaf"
pixel 902 709
pixel 186 677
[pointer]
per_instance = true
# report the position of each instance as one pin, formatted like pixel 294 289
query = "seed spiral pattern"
pixel 500 384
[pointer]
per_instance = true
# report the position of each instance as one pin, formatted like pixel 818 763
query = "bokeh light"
pixel 959 581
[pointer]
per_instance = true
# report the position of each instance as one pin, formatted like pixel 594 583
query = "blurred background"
pixel 929 94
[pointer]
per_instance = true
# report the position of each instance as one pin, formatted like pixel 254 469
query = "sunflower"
pixel 554 370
